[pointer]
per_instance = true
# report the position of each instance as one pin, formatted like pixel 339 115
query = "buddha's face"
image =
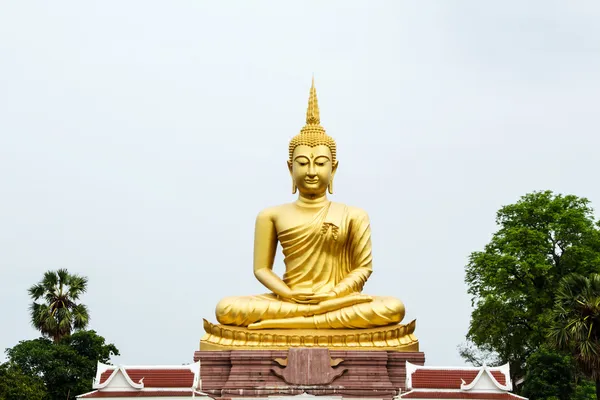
pixel 312 169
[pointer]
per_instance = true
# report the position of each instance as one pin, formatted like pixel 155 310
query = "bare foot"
pixel 256 325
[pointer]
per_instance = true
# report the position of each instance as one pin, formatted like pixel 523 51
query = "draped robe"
pixel 332 252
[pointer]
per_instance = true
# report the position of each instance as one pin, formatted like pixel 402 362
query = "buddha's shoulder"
pixel 353 212
pixel 271 212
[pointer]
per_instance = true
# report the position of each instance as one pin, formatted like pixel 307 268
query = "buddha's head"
pixel 312 161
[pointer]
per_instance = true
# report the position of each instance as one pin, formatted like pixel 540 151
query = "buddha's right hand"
pixel 300 296
pixel 341 302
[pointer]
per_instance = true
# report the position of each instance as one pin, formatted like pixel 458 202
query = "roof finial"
pixel 312 113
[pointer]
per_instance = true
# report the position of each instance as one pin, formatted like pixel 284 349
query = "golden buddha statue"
pixel 327 250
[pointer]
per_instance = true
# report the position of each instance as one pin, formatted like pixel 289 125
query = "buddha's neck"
pixel 312 202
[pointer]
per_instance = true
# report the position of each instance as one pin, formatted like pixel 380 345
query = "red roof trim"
pixel 141 393
pixel 162 378
pixel 459 395
pixel 106 374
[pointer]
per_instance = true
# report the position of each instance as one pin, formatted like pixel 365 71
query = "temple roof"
pixel 458 383
pixel 164 381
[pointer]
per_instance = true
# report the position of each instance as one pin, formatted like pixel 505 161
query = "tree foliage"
pixel 66 368
pixel 576 323
pixel 586 390
pixel 59 313
pixel 478 356
pixel 16 385
pixel 549 374
pixel 541 239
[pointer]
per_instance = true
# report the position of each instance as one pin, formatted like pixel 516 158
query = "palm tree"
pixel 575 325
pixel 59 313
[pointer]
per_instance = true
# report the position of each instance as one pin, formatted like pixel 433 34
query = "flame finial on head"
pixel 313 134
pixel 312 112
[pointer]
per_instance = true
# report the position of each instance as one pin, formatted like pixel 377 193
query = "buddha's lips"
pixel 311 180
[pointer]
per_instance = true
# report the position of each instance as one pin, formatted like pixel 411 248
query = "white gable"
pixel 119 382
pixel 483 383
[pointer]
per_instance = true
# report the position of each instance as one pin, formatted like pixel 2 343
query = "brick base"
pixel 248 373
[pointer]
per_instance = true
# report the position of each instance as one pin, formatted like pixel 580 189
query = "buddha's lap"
pixel 244 310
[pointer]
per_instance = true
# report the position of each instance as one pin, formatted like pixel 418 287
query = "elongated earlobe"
pixel 330 187
pixel 294 187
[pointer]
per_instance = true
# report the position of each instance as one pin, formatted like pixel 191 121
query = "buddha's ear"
pixel 294 187
pixel 333 169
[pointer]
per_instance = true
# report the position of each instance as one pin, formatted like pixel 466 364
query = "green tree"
pixel 576 323
pixel 15 385
pixel 549 374
pixel 586 390
pixel 541 238
pixel 60 313
pixel 68 367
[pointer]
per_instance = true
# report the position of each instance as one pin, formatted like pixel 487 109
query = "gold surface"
pixel 327 255
pixel 394 338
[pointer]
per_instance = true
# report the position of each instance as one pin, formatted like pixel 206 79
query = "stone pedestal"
pixel 315 371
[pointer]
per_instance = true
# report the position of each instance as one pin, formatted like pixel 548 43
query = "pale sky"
pixel 140 139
